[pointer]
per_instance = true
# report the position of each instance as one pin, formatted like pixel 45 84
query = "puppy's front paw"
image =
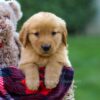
pixel 51 82
pixel 32 84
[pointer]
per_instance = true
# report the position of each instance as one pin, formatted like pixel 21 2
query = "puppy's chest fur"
pixel 60 57
pixel 30 56
pixel 55 58
pixel 41 61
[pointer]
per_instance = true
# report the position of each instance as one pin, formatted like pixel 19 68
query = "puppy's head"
pixel 10 13
pixel 45 32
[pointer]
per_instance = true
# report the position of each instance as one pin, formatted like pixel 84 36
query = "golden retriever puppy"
pixel 43 38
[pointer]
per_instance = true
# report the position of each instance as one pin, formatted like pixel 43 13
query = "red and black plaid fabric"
pixel 13 87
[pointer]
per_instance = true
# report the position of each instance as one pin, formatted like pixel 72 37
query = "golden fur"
pixel 43 29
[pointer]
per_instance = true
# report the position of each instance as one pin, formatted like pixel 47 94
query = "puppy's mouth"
pixel 46 53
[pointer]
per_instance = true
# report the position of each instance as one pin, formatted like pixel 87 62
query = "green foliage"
pixel 77 13
pixel 84 53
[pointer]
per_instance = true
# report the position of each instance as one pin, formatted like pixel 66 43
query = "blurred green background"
pixel 77 13
pixel 84 46
pixel 84 54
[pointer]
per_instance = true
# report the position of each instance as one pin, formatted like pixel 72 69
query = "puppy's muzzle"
pixel 46 47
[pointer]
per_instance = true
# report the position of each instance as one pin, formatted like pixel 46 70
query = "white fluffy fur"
pixel 16 6
pixel 10 13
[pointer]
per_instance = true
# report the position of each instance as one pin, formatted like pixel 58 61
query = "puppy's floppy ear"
pixel 23 36
pixel 16 8
pixel 64 35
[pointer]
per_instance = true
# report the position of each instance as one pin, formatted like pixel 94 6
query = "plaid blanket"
pixel 13 87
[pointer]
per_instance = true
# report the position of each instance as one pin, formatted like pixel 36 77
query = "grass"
pixel 84 54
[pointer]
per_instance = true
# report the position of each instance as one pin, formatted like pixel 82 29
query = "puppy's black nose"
pixel 46 47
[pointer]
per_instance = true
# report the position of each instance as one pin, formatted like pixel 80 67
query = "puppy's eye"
pixel 54 33
pixel 36 34
pixel 7 16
